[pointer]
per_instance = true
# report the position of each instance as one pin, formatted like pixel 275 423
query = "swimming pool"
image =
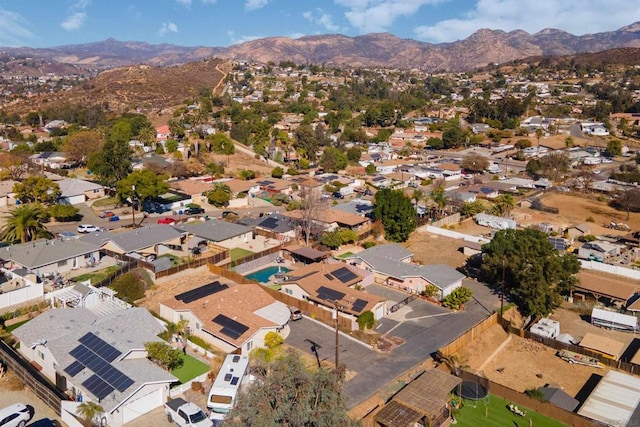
pixel 263 275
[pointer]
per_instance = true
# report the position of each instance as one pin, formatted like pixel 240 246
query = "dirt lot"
pixel 13 391
pixel 526 364
pixel 432 249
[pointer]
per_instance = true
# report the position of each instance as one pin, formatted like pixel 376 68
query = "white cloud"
pixel 574 16
pixel 167 27
pixel 185 3
pixel 12 29
pixel 208 1
pixel 255 4
pixel 74 21
pixel 319 17
pixel 241 39
pixel 77 15
pixel 378 15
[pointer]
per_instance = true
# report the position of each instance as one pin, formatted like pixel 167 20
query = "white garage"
pixel 150 397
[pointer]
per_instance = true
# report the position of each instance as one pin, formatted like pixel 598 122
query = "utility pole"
pixel 335 314
pixel 502 290
pixel 133 203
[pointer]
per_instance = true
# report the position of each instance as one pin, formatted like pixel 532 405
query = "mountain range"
pixel 370 50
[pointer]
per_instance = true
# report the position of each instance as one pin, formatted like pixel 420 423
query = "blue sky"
pixel 42 23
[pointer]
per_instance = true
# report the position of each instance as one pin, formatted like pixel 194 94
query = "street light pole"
pixel 502 291
pixel 335 314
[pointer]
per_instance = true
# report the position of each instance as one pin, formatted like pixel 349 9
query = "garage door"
pixel 141 405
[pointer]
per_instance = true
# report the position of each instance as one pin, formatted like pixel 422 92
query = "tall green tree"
pixel 333 159
pixel 291 395
pixel 147 184
pixel 112 163
pixel 37 189
pixel 219 195
pixel 396 212
pixel 536 274
pixel 25 223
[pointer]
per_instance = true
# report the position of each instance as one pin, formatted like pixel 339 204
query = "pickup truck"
pixel 186 414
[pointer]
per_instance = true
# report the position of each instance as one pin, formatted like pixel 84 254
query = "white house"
pixel 74 191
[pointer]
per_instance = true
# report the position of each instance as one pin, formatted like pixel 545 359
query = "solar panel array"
pixel 329 294
pixel 201 292
pixel 95 354
pixel 230 327
pixel 269 223
pixel 345 275
pixel 359 305
pixel 328 276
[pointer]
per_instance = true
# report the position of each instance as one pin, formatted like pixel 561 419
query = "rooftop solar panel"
pixel 100 347
pixel 359 305
pixel 96 386
pixel 74 369
pixel 230 327
pixel 345 275
pixel 269 223
pixel 328 276
pixel 329 294
pixel 201 292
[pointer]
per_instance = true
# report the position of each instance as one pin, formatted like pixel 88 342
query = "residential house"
pixel 326 285
pixel 74 191
pixel 272 186
pixel 155 240
pixel 309 186
pixel 196 189
pixel 578 230
pixel 50 159
pixel 599 250
pixel 7 196
pixel 273 225
pixel 392 267
pixel 45 257
pixel 233 318
pixel 330 219
pixel 424 401
pixel 242 188
pixel 163 133
pixel 221 233
pixel 99 357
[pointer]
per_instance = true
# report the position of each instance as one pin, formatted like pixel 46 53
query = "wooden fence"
pixel 199 262
pixel 253 257
pixel 32 378
pixel 228 274
pixel 523 400
pixel 466 338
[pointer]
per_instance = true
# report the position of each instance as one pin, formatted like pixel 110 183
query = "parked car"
pixel 296 314
pixel 193 210
pixel 114 218
pixel 87 228
pixel 17 415
pixel 106 214
pixel 166 221
pixel 186 414
pixel 338 195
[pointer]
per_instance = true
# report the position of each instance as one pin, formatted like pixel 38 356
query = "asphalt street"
pixel 425 327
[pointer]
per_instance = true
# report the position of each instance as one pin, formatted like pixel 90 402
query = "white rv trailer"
pixel 233 376
pixel 612 320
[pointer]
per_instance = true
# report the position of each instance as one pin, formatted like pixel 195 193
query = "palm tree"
pixel 439 196
pixel 504 204
pixel 539 134
pixel 24 224
pixel 88 411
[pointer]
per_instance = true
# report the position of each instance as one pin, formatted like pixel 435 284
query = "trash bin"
pixel 180 212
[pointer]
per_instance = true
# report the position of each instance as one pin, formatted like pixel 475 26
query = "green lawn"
pixel 16 325
pixel 498 414
pixel 107 202
pixel 345 255
pixel 237 253
pixel 190 369
pixel 276 287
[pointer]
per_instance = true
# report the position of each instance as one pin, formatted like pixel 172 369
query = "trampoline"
pixel 472 390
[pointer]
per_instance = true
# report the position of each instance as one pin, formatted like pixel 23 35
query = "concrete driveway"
pixel 425 327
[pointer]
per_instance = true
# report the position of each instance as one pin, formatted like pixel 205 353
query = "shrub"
pixel 535 393
pixel 129 287
pixel 277 172
pixel 366 320
pixel 199 342
pixel 368 244
pixel 587 238
pixel 262 354
pixel 273 339
pixel 430 291
pixel 457 298
pixel 590 219
pixel 164 355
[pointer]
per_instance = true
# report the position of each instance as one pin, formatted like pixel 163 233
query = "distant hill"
pixel 618 56
pixel 381 50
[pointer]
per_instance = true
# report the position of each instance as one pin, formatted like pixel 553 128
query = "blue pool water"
pixel 263 275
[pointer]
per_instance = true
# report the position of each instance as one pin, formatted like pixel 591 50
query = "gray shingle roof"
pixel 392 251
pixel 357 207
pixel 74 186
pixel 214 230
pixel 134 240
pixel 44 252
pixel 126 330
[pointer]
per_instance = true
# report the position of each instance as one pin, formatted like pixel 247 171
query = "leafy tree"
pixel 147 185
pixel 290 395
pixel 521 144
pixel 306 141
pixel 333 159
pixel 336 238
pixel 37 189
pixel 112 163
pixel 475 163
pixel 13 166
pixel 614 147
pixel 354 154
pixel 219 195
pixel 277 172
pixel 171 145
pixel 504 204
pixel 80 146
pixel 366 320
pixel 129 287
pixel 163 355
pixel 629 201
pixel 88 411
pixel 24 224
pixel 216 169
pixel 273 339
pixel 396 212
pixel 457 298
pixel 472 208
pixel 370 169
pixel 435 143
pixel 64 213
pixel 535 272
pixel 247 174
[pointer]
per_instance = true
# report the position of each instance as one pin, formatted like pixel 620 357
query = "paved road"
pixel 424 326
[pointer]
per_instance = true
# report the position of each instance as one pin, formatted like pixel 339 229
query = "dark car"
pixel 193 210
pixel 338 195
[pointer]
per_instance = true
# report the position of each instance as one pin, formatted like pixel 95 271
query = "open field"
pixel 432 249
pixel 497 413
pixel 526 364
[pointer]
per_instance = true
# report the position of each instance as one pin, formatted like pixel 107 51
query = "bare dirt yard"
pixel 433 249
pixel 522 364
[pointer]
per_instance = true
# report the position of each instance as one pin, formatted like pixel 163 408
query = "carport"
pixel 307 255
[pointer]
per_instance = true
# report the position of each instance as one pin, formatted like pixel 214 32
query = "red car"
pixel 166 221
pixel 106 214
